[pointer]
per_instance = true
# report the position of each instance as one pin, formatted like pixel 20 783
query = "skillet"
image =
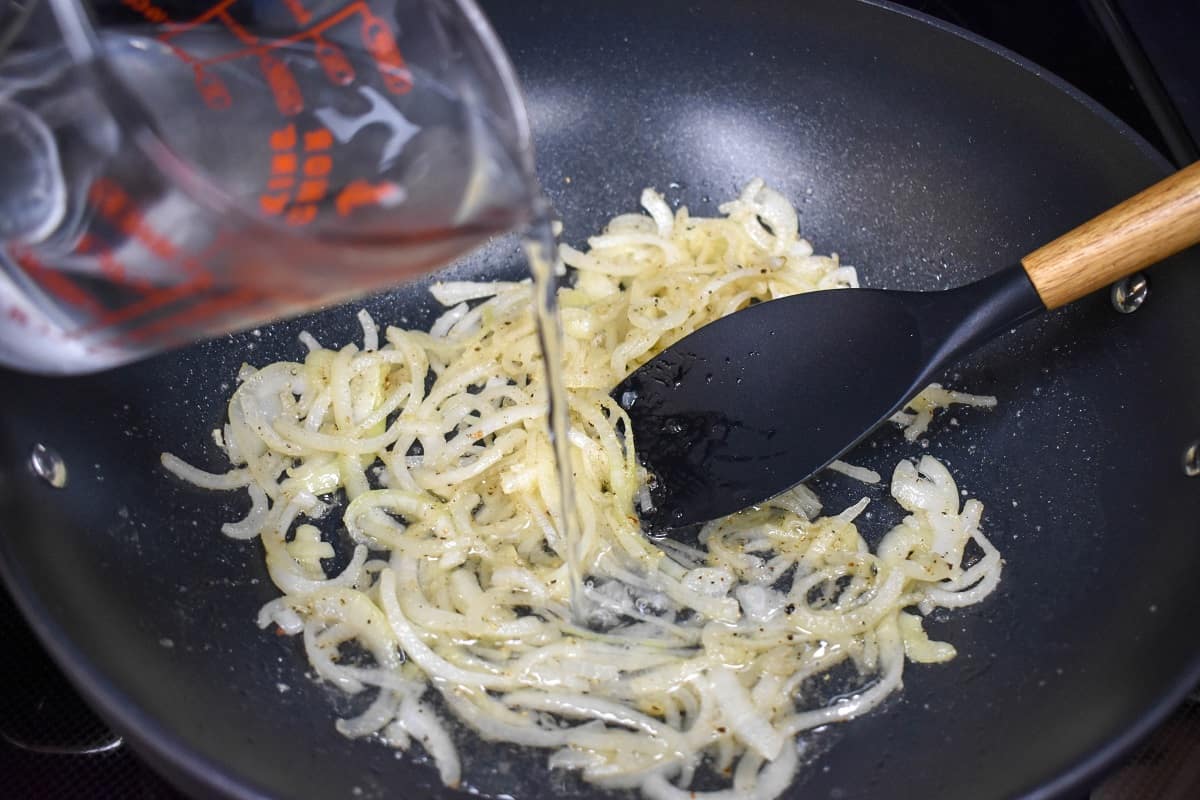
pixel 923 156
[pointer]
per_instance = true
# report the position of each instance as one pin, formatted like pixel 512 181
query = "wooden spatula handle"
pixel 1146 228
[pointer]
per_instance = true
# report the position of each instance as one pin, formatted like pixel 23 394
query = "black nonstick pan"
pixel 923 156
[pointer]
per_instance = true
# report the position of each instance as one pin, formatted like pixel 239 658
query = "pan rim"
pixel 1066 87
pixel 185 767
pixel 151 740
pixel 1090 766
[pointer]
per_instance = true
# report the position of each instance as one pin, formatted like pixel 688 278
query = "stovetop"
pixel 1134 56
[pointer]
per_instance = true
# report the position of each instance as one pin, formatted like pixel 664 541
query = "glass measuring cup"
pixel 181 169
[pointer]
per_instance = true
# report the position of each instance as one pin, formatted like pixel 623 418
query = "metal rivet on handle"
pixel 48 465
pixel 1129 293
pixel 1191 459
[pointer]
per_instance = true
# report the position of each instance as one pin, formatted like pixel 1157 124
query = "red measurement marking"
pixel 382 45
pixel 148 10
pixel 330 56
pixel 283 84
pixel 57 283
pixel 320 139
pixel 298 208
pixel 198 314
pixel 317 166
pixel 110 267
pixel 273 204
pixel 284 138
pixel 235 27
pixel 360 193
pixel 378 39
pixel 213 90
pixel 115 206
pixel 38 327
pixel 334 62
pixel 152 302
pixel 107 198
pixel 155 300
pixel 310 192
pixel 298 11
pixel 132 224
pixel 284 164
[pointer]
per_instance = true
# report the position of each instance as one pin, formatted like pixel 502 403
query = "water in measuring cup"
pixel 285 134
pixel 281 200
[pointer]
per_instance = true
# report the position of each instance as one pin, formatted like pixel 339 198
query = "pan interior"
pixel 920 157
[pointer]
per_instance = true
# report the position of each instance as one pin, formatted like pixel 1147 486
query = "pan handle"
pixel 1148 227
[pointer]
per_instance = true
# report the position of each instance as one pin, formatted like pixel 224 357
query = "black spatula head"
pixel 756 402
